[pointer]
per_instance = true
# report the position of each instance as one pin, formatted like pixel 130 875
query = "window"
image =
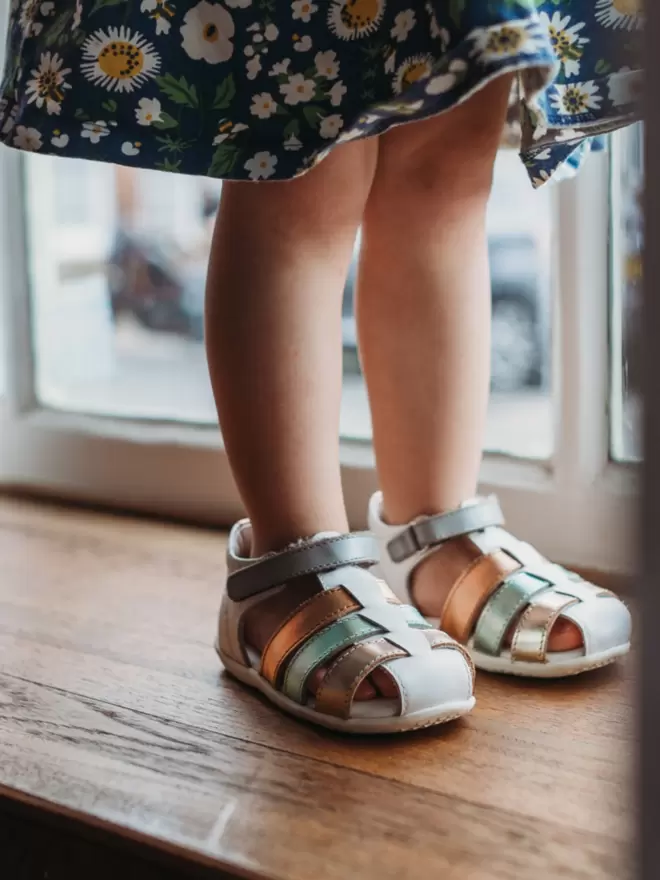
pixel 107 397
pixel 117 260
pixel 626 252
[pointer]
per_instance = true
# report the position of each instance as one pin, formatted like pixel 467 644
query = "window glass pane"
pixel 118 266
pixel 627 242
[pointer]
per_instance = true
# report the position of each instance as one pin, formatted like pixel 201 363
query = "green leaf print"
pixel 166 165
pixel 170 145
pixel 225 93
pixel 312 114
pixel 100 4
pixel 166 121
pixel 58 28
pixel 602 67
pixel 110 106
pixel 224 160
pixel 81 115
pixel 178 90
pixel 292 129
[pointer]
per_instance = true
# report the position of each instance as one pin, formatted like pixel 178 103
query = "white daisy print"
pixel 506 41
pixel 253 67
pixel 352 19
pixel 207 33
pixel 298 89
pixel 29 11
pixel 27 139
pixel 48 83
pixel 292 143
pixel 119 60
pixel 95 131
pixel 282 67
pixel 148 111
pixel 336 93
pixel 403 24
pixel 445 82
pixel 47 8
pixel 331 126
pixel 261 166
pixel 160 11
pixel 413 69
pixel 302 10
pixel 77 15
pixel 576 98
pixel 302 44
pixel 263 106
pixel 624 14
pixel 565 40
pixel 59 140
pixel 271 33
pixel 130 148
pixel 327 64
pixel 390 61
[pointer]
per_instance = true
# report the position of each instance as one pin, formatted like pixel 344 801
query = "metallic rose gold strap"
pixel 335 696
pixel 308 618
pixel 531 637
pixel 472 589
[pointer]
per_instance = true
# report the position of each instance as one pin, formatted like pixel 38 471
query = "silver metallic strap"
pixel 357 548
pixel 502 608
pixel 436 529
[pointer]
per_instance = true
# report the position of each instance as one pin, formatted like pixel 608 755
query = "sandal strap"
pixel 436 529
pixel 356 548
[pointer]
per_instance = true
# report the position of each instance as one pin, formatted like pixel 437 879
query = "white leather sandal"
pixel 496 581
pixel 347 622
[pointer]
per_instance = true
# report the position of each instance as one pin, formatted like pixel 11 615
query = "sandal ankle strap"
pixel 436 529
pixel 356 548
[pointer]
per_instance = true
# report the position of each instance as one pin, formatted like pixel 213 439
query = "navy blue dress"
pixel 264 89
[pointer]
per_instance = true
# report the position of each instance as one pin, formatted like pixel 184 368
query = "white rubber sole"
pixel 557 665
pixel 368 723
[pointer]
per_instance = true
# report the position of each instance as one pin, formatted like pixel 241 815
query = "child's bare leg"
pixel 280 257
pixel 424 317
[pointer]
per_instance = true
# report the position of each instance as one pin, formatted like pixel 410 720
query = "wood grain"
pixel 113 707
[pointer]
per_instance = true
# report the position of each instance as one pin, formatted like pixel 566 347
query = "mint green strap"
pixel 503 607
pixel 341 634
pixel 315 651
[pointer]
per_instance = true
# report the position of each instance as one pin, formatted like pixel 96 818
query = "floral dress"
pixel 264 89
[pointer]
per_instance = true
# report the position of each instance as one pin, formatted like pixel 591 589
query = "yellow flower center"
pixel 359 14
pixel 414 72
pixel 504 41
pixel 121 60
pixel 627 7
pixel 211 33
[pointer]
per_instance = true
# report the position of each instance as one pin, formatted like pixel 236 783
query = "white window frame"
pixel 577 507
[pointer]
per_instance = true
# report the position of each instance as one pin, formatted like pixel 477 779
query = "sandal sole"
pixel 376 725
pixel 555 667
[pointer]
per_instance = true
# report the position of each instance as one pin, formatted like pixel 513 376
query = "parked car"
pixel 167 294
